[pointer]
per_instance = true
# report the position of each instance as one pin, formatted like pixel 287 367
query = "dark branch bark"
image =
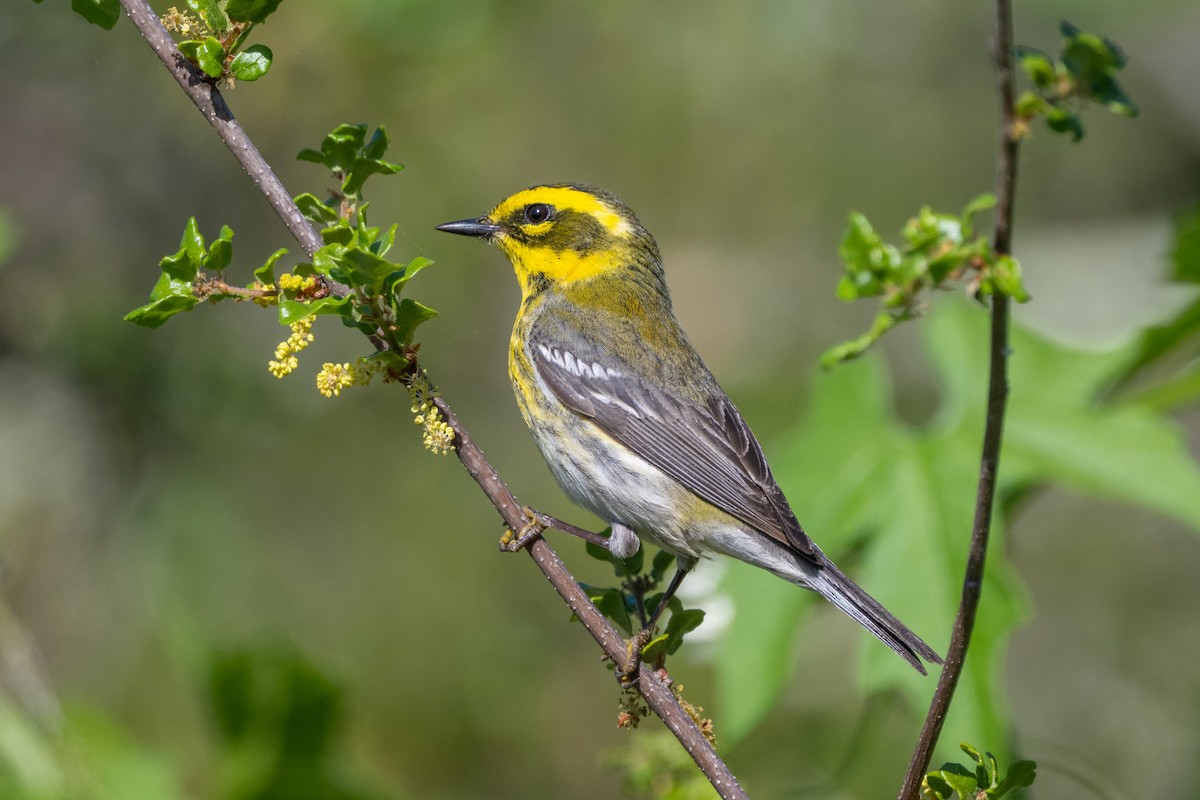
pixel 657 695
pixel 964 623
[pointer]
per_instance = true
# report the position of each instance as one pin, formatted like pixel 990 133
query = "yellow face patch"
pixel 562 234
pixel 563 198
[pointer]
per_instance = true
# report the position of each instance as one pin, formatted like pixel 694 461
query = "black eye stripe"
pixel 536 213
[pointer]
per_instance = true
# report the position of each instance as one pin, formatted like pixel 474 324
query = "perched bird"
pixel 628 417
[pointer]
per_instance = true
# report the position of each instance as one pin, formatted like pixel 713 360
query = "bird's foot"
pixel 513 542
pixel 627 676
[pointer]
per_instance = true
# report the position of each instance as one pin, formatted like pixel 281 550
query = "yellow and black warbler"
pixel 627 415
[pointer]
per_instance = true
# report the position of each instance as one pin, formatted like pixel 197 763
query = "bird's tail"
pixel 851 598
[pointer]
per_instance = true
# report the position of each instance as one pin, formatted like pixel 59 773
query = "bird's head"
pixel 564 233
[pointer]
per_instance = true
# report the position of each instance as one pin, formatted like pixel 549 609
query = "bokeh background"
pixel 163 497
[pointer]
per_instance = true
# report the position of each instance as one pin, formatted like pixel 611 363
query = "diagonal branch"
pixel 997 399
pixel 657 694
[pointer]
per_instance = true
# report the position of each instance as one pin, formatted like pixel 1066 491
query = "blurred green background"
pixel 164 498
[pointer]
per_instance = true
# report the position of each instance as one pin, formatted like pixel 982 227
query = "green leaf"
pixel 220 252
pixel 680 625
pixel 313 209
pixel 378 144
pixel 958 779
pixel 211 14
pixel 340 147
pixel 363 269
pixel 252 63
pixel 1062 119
pixel 266 273
pixel 397 280
pixel 207 53
pixel 193 244
pixel 628 567
pixel 380 247
pixel 104 13
pixel 612 605
pixel 662 562
pixel 364 168
pixel 599 552
pixel 411 314
pixel 157 312
pixel 1030 104
pixel 1157 341
pixel 983 202
pixel 293 311
pixel 1005 274
pixel 760 641
pixel 339 234
pixel 1020 775
pixel 251 10
pixel 1092 61
pixel 1185 255
pixel 1037 66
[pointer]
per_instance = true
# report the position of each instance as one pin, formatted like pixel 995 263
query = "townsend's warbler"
pixel 630 420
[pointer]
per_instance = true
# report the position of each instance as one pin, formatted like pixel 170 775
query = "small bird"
pixel 630 420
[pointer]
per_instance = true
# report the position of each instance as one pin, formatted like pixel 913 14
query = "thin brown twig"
pixel 657 695
pixel 997 400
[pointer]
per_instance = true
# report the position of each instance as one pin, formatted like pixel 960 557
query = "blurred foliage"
pixel 276 719
pixel 279 722
pixel 939 248
pixel 148 471
pixel 1177 338
pixel 906 498
pixel 655 766
pixel 1084 72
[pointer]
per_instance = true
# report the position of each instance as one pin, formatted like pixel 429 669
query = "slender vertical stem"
pixel 997 399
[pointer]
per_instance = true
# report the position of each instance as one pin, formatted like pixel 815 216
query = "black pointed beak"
pixel 482 227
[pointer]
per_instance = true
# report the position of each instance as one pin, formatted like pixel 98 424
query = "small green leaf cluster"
pixel 1085 71
pixel 957 782
pixel 352 158
pixel 348 277
pixel 632 602
pixel 217 34
pixel 185 278
pixel 354 252
pixel 939 248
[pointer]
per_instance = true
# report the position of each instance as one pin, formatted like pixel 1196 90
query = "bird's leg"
pixel 628 675
pixel 680 572
pixel 622 542
pixel 512 542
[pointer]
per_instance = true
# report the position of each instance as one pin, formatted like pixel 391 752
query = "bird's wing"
pixel 707 447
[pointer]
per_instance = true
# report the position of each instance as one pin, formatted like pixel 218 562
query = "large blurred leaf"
pixel 852 470
pixel 1179 334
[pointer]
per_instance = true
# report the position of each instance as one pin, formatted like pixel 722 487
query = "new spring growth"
pixel 285 354
pixel 439 436
pixel 184 23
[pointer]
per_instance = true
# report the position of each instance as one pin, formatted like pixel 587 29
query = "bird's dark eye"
pixel 538 212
